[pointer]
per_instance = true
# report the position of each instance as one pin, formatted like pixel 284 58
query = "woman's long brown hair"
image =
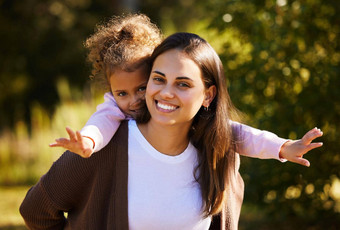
pixel 211 132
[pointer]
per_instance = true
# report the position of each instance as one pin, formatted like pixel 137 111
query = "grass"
pixel 11 198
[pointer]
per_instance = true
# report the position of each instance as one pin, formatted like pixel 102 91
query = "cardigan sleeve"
pixel 60 189
pixel 104 123
pixel 39 212
pixel 257 143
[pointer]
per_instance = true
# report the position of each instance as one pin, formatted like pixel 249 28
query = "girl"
pixel 118 52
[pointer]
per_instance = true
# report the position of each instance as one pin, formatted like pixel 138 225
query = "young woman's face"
pixel 128 89
pixel 175 90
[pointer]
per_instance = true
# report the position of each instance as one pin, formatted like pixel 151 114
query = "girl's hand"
pixel 294 150
pixel 82 146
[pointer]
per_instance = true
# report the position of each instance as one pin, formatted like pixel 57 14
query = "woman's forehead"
pixel 176 61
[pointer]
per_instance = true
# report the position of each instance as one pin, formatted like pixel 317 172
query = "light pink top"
pixel 256 143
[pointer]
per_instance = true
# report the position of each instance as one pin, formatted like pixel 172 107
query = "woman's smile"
pixel 165 107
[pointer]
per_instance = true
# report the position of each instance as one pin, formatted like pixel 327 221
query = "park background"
pixel 282 65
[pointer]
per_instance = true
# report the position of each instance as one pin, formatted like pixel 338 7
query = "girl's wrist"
pixel 283 149
pixel 89 141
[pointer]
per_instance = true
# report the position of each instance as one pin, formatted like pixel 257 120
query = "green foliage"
pixel 42 42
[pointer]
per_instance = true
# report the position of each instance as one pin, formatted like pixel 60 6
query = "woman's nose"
pixel 166 92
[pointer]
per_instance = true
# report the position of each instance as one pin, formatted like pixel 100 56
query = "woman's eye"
pixel 158 79
pixel 183 84
pixel 122 94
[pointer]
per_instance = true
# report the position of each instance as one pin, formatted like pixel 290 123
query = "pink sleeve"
pixel 257 143
pixel 104 123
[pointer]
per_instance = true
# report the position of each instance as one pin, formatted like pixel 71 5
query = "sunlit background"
pixel 282 65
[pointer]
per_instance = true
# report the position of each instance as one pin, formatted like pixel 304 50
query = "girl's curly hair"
pixel 125 42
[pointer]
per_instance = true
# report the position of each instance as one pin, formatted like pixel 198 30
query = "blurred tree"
pixel 42 42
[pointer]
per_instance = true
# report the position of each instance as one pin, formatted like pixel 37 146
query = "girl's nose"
pixel 136 103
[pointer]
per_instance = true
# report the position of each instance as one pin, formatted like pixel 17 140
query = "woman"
pixel 175 170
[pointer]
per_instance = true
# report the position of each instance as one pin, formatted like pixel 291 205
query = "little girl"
pixel 119 53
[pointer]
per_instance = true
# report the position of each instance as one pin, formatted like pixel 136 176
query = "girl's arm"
pixel 256 143
pixel 97 132
pixel 252 142
pixel 104 123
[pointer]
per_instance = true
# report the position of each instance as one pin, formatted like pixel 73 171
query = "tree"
pixel 41 43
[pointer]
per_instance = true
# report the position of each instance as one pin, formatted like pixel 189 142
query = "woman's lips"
pixel 165 107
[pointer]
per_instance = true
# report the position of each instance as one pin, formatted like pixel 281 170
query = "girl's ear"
pixel 210 94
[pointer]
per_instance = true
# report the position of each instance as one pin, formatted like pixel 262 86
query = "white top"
pixel 103 124
pixel 162 191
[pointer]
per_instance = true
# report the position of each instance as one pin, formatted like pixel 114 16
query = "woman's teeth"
pixel 166 107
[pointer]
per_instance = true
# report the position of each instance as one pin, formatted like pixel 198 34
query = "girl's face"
pixel 175 90
pixel 128 89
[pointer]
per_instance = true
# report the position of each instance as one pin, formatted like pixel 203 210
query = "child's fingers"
pixel 87 153
pixel 302 161
pixel 71 134
pixel 54 145
pixel 311 135
pixel 79 137
pixel 314 146
pixel 60 142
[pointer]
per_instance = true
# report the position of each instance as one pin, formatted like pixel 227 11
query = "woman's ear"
pixel 210 94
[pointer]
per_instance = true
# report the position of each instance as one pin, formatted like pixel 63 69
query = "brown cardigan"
pixel 94 192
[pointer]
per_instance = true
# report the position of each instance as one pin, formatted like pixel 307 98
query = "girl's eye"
pixel 142 89
pixel 122 94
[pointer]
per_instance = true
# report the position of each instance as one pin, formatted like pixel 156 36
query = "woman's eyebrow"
pixel 183 78
pixel 177 78
pixel 160 73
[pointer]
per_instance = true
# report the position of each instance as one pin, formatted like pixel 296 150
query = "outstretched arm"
pixel 97 132
pixel 252 142
pixel 295 150
pixel 81 145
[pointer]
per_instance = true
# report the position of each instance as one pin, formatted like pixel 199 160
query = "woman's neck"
pixel 170 140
